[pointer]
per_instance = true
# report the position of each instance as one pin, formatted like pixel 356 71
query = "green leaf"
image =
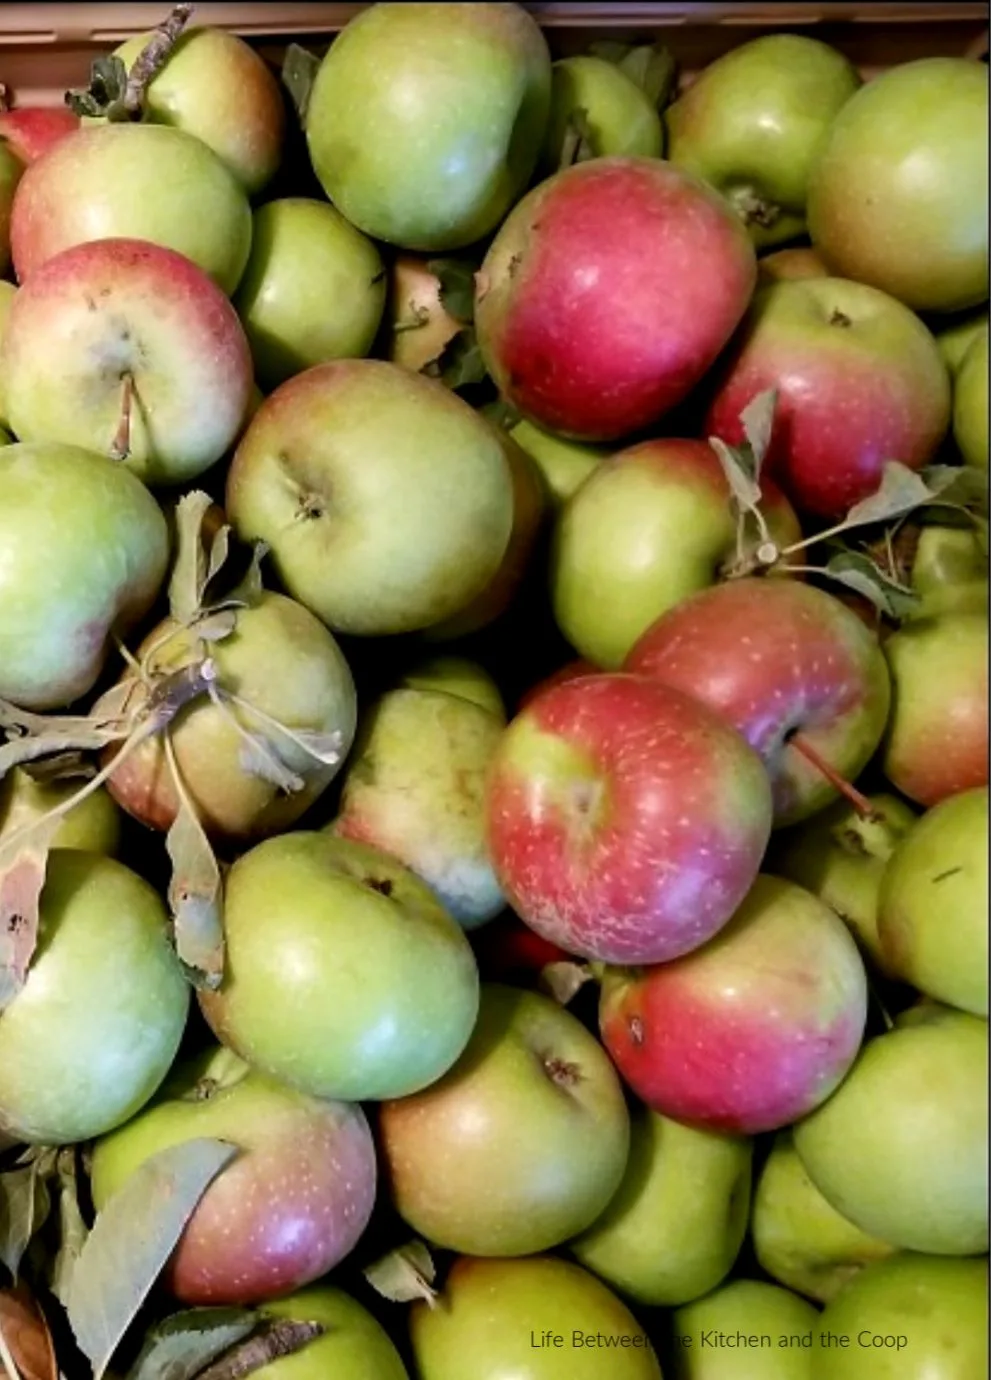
pixel 179 1347
pixel 299 70
pixel 858 572
pixel 132 1240
pixel 405 1274
pixel 757 420
pixel 652 68
pixel 900 491
pixel 578 145
pixel 739 466
pixel 460 362
pixel 195 891
pixel 23 865
pixel 963 486
pixel 189 574
pixel 24 1207
pixel 251 587
pixel 502 414
pixel 105 95
pixel 457 287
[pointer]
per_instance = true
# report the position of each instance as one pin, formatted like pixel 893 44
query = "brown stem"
pixel 860 803
pixel 4 98
pixel 281 1338
pixel 153 58
pixel 120 446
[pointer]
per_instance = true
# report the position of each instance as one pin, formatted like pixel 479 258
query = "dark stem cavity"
pixel 560 1071
pixel 839 318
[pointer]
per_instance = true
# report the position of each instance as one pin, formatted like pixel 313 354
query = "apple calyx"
pixel 117 95
pixel 752 208
pixel 561 1072
pixel 405 1275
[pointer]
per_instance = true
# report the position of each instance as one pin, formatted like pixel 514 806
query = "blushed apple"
pixel 760 1313
pixel 11 169
pixel 31 130
pixel 571 670
pixel 353 1346
pixel 970 403
pixel 800 262
pixel 564 464
pixel 456 675
pixel 618 116
pixel 92 826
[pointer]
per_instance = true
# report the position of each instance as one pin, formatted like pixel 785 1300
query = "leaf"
pixel 609 50
pixel 405 1274
pixel 195 891
pixel 250 589
pixel 502 414
pixel 963 486
pixel 564 980
pixel 24 1208
pixel 91 735
pixel 757 419
pixel 578 143
pixel 189 574
pixel 299 70
pixel 457 287
pixel 26 1336
pixel 739 467
pixel 460 362
pixel 279 1337
pixel 179 1347
pixel 73 1231
pixel 23 865
pixel 900 490
pixel 64 766
pixel 132 1240
pixel 105 95
pixel 260 758
pixel 219 551
pixel 858 572
pixel 652 68
pixel 215 625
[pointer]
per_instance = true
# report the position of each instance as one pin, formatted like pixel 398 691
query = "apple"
pixel 607 294
pixel 59 607
pixel 901 1148
pixel 937 737
pixel 127 349
pixel 372 989
pixel 537 1319
pixel 778 659
pixel 94 1030
pixel 92 826
pixel 617 115
pixel 133 181
pixel 455 675
pixel 419 325
pixel 571 670
pixel 949 571
pixel 389 471
pixel 970 403
pixel 675 1226
pixel 508 951
pixel 898 197
pixel 841 857
pixel 933 905
pixel 11 169
pixel 289 1207
pixel 799 262
pixel 313 289
pixel 425 121
pixel 914 1317
pixel 954 341
pixel 752 123
pixel 353 1346
pixel 744 1329
pixel 652 526
pixel 415 787
pixel 626 823
pixel 31 130
pixel 563 464
pixel 800 1240
pixel 520 1145
pixel 750 1031
pixel 859 380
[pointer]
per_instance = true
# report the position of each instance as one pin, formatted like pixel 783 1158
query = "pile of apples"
pixel 494 712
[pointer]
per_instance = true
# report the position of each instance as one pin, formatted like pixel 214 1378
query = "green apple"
pixel 970 403
pixel 534 1319
pixel 7 294
pixel 933 905
pixel 313 289
pixel 371 990
pixel 92 826
pixel 914 1317
pixel 954 341
pixel 795 262
pixel 744 1330
pixel 898 197
pixel 11 169
pixel 353 1345
pixel 617 115
pixel 800 1240
pixel 949 572
pixel 752 123
pixel 521 1145
pixel 456 675
pixel 676 1224
pixel 418 323
pixel 564 464
pixel 901 1147
pixel 425 121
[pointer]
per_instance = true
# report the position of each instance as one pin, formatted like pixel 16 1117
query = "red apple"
pixel 34 129
pixel 778 658
pixel 570 671
pixel 608 292
pixel 860 381
pixel 626 821
pixel 751 1031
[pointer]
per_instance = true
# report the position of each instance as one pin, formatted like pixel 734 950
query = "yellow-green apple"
pixel 386 500
pixel 676 1224
pixel 789 667
pixel 898 196
pixel 353 1345
pixel 914 1317
pixel 799 1239
pixel 11 169
pixel 415 787
pixel 626 822
pixel 281 663
pixel 652 526
pixel 31 130
pixel 538 1318
pixel 970 403
pixel 746 1328
pixel 608 293
pixel 520 1145
pixel 215 86
pixel 289 1207
pixel 564 464
pixel 313 289
pixel 859 381
pixel 128 349
pixel 728 1039
pixel 456 675
pixel 85 551
pixel 933 905
pixel 949 571
pixel 937 738
pixel 370 992
pixel 617 116
pixel 752 124
pixel 840 856
pixel 954 341
pixel 93 825
pixel 419 324
pixel 901 1147
pixel 799 262
pixel 133 181
pixel 96 1026
pixel 425 121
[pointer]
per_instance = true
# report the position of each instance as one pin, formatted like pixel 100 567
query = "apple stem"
pixel 120 446
pixel 153 58
pixel 4 98
pixel 857 799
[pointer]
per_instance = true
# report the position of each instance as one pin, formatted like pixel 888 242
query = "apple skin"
pixel 313 289
pixel 11 169
pixel 626 823
pixel 937 738
pixel 752 123
pixel 110 308
pixel 572 670
pixel 970 403
pixel 933 906
pixel 721 1040
pixel 949 572
pixel 95 1029
pixel 754 1309
pixel 859 379
pixel 31 131
pixel 291 1205
pixel 677 1222
pixel 133 181
pixel 111 552
pixel 607 294
pixel 418 323
pixel 933 1311
pixel 773 658
pixel 372 990
pixel 425 121
pixel 93 826
pixel 954 341
pixel 456 675
pixel 386 501
pixel 898 196
pixel 353 1346
pixel 800 1240
pixel 493 1316
pixel 654 525
pixel 563 464
pixel 799 262
pixel 901 1148
pixel 620 117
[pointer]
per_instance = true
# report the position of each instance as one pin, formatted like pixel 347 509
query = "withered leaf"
pixel 219 551
pixel 195 892
pixel 24 1207
pixel 73 1230
pixel 738 465
pixel 23 865
pixel 26 1336
pixel 250 589
pixel 578 143
pixel 900 490
pixel 563 981
pixel 858 572
pixel 757 420
pixel 457 286
pixel 299 70
pixel 189 573
pixel 405 1274
pixel 179 1347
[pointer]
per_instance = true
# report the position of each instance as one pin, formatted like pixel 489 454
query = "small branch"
pixel 120 446
pixel 153 58
pixel 860 803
